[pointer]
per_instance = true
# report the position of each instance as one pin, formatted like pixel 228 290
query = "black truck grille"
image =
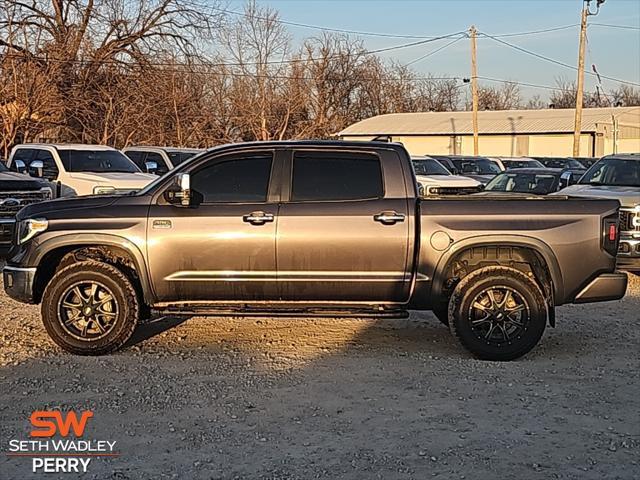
pixel 12 202
pixel 6 232
pixel 626 221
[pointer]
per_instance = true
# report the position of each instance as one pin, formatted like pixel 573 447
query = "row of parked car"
pixel 613 177
pixel 467 174
pixel 37 172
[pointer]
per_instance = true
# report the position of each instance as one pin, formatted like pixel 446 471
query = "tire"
pixel 497 313
pixel 88 320
pixel 441 312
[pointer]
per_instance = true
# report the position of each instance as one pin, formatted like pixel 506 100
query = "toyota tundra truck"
pixel 311 228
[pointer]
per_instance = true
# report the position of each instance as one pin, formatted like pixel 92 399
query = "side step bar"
pixel 227 311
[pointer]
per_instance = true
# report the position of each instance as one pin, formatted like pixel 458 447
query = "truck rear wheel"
pixel 90 308
pixel 497 313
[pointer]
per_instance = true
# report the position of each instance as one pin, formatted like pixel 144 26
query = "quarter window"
pixel 236 180
pixel 331 176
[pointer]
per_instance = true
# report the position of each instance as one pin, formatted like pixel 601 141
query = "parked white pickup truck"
pixel 435 180
pixel 80 169
pixel 162 158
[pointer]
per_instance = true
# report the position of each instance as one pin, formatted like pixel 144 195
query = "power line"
pixel 379 34
pixel 535 32
pixel 551 60
pixel 192 69
pixel 433 52
pixel 524 84
pixel 327 29
pixel 625 27
pixel 278 62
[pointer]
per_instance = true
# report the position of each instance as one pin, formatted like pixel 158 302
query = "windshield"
pixel 98 161
pixel 615 172
pixel 429 166
pixel 3 167
pixel 478 166
pixel 536 183
pixel 561 163
pixel 522 164
pixel 178 157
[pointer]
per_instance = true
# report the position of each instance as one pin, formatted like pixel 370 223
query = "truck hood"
pixel 41 209
pixel 627 196
pixel 447 180
pixel 133 181
pixel 12 181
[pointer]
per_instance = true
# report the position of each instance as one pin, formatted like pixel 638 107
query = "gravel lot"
pixel 270 398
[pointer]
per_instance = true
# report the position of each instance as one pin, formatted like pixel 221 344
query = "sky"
pixel 614 51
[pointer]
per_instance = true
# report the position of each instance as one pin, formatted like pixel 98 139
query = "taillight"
pixel 610 234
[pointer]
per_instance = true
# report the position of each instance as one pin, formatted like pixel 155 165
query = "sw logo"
pixel 68 452
pixel 48 423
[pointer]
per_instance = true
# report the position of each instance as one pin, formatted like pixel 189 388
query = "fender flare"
pixel 523 241
pixel 99 239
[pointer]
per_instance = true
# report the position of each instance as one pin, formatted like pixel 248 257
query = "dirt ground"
pixel 329 398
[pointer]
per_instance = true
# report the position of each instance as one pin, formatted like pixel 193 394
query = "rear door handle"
pixel 389 218
pixel 258 218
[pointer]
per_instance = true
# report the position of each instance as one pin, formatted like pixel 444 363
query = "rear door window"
pixel 335 176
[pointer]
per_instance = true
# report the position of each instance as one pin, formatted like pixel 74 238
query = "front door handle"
pixel 389 218
pixel 258 218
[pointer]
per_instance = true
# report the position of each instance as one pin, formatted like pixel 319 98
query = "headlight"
pixel 31 227
pixel 48 193
pixel 104 190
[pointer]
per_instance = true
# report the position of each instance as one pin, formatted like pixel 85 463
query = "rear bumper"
pixel 18 283
pixel 608 286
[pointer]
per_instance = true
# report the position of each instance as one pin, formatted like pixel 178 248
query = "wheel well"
pixel 526 260
pixel 65 256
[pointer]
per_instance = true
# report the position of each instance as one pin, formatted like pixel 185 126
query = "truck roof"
pixel 166 149
pixel 66 146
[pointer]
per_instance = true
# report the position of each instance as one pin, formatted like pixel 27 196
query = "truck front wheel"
pixel 90 308
pixel 497 313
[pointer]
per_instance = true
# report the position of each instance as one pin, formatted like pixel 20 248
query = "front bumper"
pixel 608 286
pixel 18 283
pixel 629 251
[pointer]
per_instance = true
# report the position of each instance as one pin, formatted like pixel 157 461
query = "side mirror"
pixel 566 179
pixel 152 167
pixel 180 192
pixel 36 168
pixel 455 171
pixel 19 166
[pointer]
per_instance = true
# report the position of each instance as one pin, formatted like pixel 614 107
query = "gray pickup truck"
pixel 311 228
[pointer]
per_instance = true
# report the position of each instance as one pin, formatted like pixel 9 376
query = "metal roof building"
pixel 546 132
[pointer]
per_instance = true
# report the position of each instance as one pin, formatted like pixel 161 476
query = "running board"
pixel 231 311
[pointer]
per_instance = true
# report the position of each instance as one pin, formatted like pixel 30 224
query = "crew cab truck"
pixel 310 228
pixel 79 169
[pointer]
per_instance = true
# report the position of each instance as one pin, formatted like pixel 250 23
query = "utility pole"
pixel 474 88
pixel 577 127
